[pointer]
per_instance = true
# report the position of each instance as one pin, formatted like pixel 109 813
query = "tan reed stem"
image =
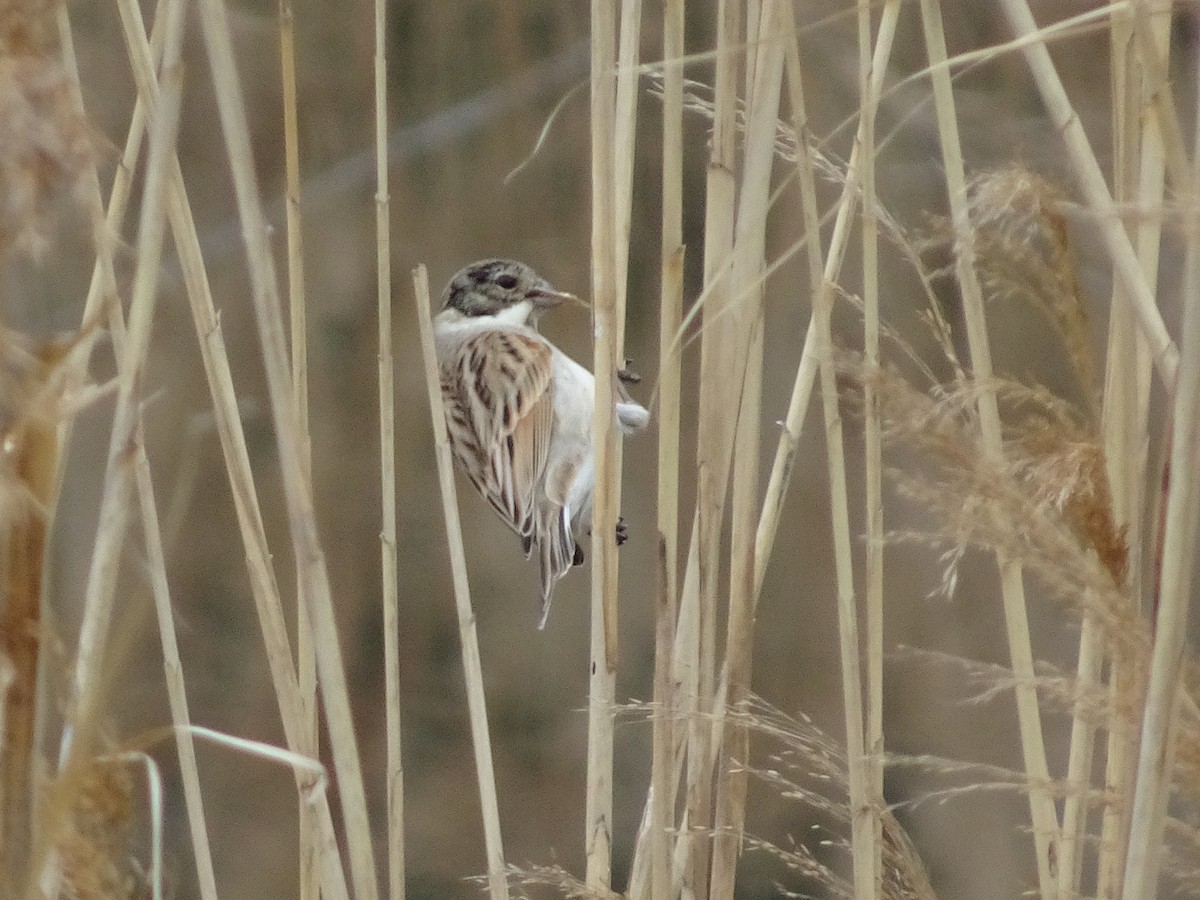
pixel 118 477
pixel 606 330
pixel 873 446
pixel 1033 747
pixel 744 355
pixel 1152 785
pixel 387 471
pixel 669 386
pixel 714 437
pixel 310 559
pixel 472 665
pixel 306 657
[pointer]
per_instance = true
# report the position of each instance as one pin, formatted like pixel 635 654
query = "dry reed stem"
pixel 1095 190
pixel 176 690
pixel 472 666
pixel 872 461
pixel 387 471
pixel 173 673
pixel 743 356
pixel 172 664
pixel 118 476
pixel 306 658
pixel 669 387
pixel 229 428
pixel 310 559
pixel 1125 412
pixel 714 435
pixel 1153 783
pixel 1043 814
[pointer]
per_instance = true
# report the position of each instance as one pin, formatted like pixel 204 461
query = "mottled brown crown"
pixel 489 286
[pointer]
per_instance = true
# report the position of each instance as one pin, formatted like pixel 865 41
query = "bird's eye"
pixel 508 282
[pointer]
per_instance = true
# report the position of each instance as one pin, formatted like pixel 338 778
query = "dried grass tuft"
pixel 45 146
pixel 94 848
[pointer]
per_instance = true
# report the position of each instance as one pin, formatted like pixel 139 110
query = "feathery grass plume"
pixel 45 146
pixel 1045 502
pixel 1023 252
pixel 811 768
pixel 94 846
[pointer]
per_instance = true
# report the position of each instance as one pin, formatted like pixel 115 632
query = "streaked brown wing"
pixel 500 412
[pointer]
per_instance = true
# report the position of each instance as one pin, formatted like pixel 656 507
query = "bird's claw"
pixel 622 531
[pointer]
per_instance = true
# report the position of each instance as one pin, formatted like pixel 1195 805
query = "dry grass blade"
pixel 472 666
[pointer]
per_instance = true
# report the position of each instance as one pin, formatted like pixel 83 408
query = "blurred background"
pixel 472 83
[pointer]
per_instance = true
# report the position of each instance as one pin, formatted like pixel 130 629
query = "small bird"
pixel 519 411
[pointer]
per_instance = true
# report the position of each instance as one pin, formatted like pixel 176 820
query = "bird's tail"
pixel 556 551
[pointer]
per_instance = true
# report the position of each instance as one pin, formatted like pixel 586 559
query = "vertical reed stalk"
pixel 306 657
pixel 1152 786
pixel 387 470
pixel 310 559
pixel 472 665
pixel 606 330
pixel 1139 168
pixel 743 354
pixel 1124 420
pixel 873 448
pixel 714 434
pixel 1046 832
pixel 669 386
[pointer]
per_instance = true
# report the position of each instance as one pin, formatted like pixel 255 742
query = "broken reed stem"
pixel 606 297
pixel 873 446
pixel 472 665
pixel 1152 786
pixel 1095 190
pixel 306 657
pixel 387 471
pixel 669 388
pixel 1043 815
pixel 309 556
pixel 714 435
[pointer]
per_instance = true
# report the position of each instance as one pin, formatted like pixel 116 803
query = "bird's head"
pixel 501 287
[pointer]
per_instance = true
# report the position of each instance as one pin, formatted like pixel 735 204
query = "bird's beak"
pixel 548 297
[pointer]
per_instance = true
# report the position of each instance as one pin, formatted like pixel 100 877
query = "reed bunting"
pixel 519 411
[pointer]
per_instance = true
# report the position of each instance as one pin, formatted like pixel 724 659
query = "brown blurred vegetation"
pixel 451 203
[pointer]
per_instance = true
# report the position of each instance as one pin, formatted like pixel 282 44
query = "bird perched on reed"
pixel 519 411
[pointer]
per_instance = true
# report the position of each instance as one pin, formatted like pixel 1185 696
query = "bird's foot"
pixel 627 375
pixel 622 531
